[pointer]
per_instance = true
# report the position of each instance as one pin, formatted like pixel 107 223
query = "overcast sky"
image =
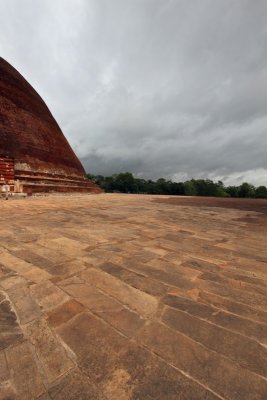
pixel 161 88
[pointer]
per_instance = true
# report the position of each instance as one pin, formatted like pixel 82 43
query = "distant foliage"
pixel 127 183
pixel 261 192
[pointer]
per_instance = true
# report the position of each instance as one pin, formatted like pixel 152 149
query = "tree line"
pixel 127 183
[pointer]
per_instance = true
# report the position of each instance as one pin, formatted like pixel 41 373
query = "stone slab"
pixel 133 297
pixel 25 372
pixel 50 351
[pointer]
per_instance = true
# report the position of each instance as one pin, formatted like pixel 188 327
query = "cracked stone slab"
pixel 75 386
pixel 48 295
pixel 49 349
pixel 222 375
pixel 7 391
pixel 27 309
pixel 143 303
pixel 10 331
pixel 25 373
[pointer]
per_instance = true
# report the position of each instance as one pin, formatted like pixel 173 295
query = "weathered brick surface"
pixel 44 160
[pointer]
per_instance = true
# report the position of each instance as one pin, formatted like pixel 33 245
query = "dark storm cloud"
pixel 160 88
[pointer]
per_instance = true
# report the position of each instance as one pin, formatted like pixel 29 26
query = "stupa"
pixel 35 156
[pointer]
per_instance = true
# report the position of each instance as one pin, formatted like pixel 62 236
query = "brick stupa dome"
pixel 35 156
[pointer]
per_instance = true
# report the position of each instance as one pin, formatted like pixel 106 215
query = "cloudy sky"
pixel 161 88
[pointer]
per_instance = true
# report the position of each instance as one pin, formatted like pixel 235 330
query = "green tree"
pixel 190 188
pixel 177 188
pixel 261 192
pixel 246 190
pixel 124 182
pixel 232 191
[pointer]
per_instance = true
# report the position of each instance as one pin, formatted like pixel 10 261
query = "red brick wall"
pixel 6 170
pixel 28 131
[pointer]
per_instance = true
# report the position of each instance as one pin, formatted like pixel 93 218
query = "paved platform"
pixel 133 297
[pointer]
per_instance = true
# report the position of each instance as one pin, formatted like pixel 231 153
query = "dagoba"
pixel 35 156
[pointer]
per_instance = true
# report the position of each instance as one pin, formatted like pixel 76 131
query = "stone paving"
pixel 132 297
